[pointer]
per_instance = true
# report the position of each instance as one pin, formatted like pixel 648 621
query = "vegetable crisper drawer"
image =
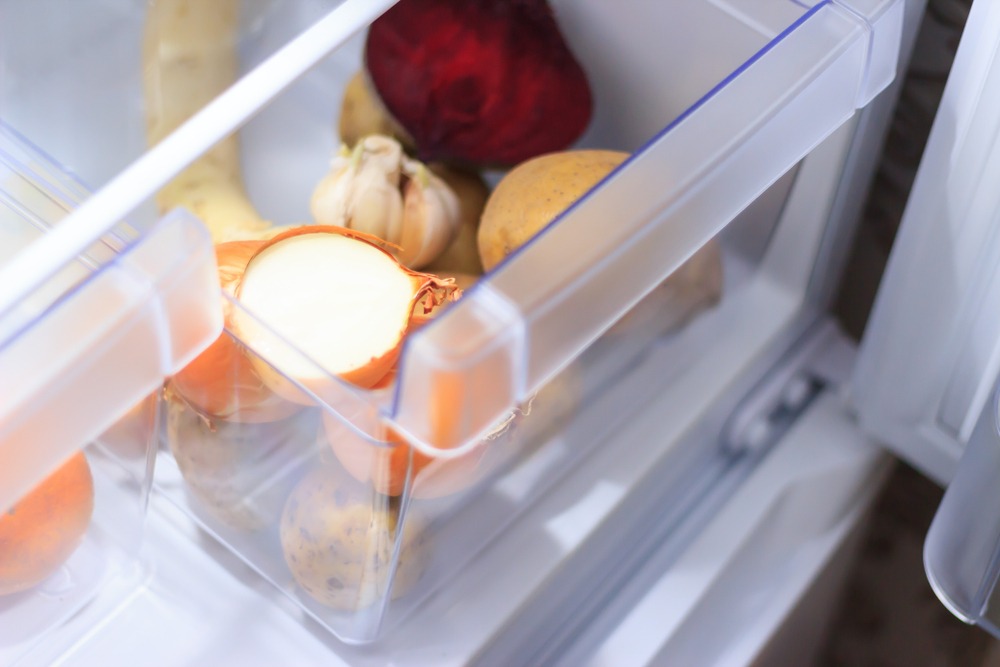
pixel 100 334
pixel 359 495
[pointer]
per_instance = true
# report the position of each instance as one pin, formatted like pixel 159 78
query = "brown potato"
pixel 338 538
pixel 462 256
pixel 362 114
pixel 533 193
pixel 233 470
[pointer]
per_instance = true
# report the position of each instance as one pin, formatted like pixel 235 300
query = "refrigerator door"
pixel 963 544
pixel 927 377
pixel 931 351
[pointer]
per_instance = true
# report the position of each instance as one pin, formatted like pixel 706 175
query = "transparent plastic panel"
pixel 77 358
pixel 101 54
pixel 360 497
pixel 101 333
pixel 722 153
pixel 962 550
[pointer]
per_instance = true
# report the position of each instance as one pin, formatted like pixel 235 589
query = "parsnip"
pixel 189 57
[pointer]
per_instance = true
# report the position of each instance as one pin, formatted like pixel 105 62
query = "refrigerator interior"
pixel 719 173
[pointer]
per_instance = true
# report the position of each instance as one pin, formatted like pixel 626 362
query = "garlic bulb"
pixel 375 188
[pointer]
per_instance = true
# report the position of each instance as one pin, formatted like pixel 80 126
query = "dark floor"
pixel 889 616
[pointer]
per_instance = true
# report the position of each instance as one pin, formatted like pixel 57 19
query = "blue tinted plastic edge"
pixel 393 412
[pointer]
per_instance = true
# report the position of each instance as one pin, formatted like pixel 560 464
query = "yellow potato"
pixel 533 193
pixel 233 471
pixel 362 114
pixel 462 256
pixel 338 537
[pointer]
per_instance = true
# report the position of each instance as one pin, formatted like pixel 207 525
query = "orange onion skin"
pixel 221 382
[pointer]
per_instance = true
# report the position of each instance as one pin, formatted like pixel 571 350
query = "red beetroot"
pixel 484 82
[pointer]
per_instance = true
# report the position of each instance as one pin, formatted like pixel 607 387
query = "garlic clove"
pixel 376 189
pixel 431 216
pixel 361 191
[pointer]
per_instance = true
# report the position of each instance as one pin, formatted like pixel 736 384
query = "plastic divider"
pixel 100 334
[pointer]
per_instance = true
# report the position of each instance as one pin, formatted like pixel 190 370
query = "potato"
pixel 235 471
pixel 462 256
pixel 533 193
pixel 362 114
pixel 338 538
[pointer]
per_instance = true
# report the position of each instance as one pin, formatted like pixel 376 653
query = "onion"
pixel 387 467
pixel 329 301
pixel 221 383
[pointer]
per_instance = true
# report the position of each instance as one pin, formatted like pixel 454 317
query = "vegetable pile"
pixel 272 427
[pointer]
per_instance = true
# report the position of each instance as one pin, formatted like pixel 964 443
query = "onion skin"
pixel 221 383
pixel 387 468
pixel 43 529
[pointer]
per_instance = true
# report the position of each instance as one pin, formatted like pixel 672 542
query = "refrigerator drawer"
pixel 84 347
pixel 361 500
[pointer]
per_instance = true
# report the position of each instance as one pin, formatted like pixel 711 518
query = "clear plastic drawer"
pixel 362 499
pixel 80 356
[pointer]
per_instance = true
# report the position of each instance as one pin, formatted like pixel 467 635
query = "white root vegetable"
pixel 189 57
pixel 375 188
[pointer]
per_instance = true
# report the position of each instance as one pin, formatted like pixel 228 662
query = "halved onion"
pixel 388 466
pixel 221 383
pixel 329 301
